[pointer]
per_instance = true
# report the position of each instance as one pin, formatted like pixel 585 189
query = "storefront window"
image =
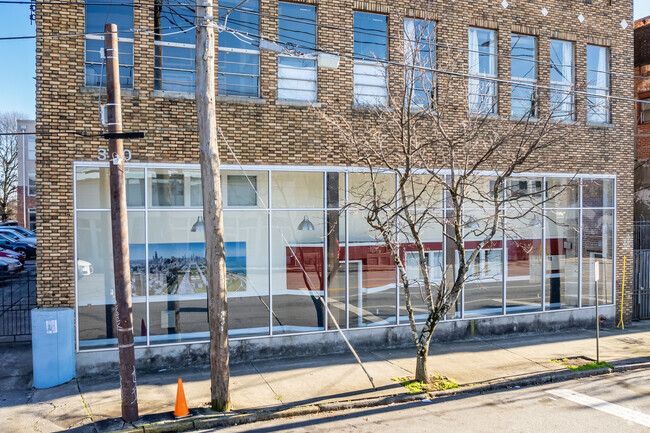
pixel 524 252
pixel 562 246
pixel 315 246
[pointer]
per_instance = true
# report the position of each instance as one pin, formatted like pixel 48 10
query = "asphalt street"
pixel 611 403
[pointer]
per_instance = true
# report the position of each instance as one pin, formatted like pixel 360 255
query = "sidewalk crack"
pixel 517 354
pixel 83 402
pixel 278 396
pixel 390 362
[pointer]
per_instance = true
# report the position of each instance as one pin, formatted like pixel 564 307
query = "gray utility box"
pixel 53 354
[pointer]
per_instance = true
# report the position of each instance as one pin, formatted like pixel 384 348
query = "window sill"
pixel 297 104
pixel 128 93
pixel 562 121
pixel 171 95
pixel 600 125
pixel 524 119
pixel 480 116
pixel 240 100
pixel 368 107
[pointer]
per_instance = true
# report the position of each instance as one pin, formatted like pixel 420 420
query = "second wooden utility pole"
pixel 212 208
pixel 120 231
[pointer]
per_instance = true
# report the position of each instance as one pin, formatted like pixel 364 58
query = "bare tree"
pixel 8 164
pixel 439 159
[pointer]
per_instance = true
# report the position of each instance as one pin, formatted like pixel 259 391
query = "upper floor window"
pixel 562 80
pixel 483 71
pixel 420 58
pixel 597 84
pixel 174 68
pixel 31 184
pixel 370 57
pixel 644 115
pixel 31 148
pixel 99 12
pixel 523 95
pixel 239 57
pixel 297 76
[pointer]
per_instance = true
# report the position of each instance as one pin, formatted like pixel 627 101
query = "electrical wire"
pixel 365 31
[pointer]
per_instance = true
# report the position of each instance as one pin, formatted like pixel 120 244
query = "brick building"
pixel 265 108
pixel 641 92
pixel 26 191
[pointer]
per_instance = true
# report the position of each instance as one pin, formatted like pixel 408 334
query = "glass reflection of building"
pixel 292 246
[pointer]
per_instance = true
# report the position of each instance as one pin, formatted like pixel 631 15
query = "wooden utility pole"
pixel 120 230
pixel 212 208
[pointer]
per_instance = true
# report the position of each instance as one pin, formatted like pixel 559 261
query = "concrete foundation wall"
pixel 314 344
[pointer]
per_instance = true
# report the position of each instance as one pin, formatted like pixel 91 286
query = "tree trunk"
pixel 421 370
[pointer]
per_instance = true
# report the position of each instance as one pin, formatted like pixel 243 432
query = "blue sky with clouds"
pixel 17 84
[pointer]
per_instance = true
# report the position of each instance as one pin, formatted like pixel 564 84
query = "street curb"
pixel 208 420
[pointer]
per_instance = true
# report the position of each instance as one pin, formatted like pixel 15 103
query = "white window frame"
pixel 31 148
pixel 480 77
pixel 121 65
pixel 568 89
pixel 411 46
pixel 159 82
pixel 528 82
pixel 257 76
pixel 366 70
pixel 31 188
pixel 594 88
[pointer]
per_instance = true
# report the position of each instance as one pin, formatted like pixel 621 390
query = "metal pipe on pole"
pixel 212 208
pixel 120 231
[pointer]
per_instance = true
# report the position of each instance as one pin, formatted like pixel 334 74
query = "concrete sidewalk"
pixel 284 383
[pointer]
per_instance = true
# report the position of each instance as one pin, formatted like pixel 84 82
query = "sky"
pixel 17 69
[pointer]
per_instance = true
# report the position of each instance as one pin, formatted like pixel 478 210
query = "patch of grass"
pixel 590 366
pixel 437 383
pixel 580 363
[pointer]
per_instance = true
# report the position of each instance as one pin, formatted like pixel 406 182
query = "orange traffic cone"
pixel 181 405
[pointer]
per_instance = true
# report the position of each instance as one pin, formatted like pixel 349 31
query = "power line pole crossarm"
pixel 120 231
pixel 212 208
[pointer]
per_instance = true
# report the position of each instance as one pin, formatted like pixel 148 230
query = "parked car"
pixel 13 255
pixel 12 264
pixel 15 236
pixel 29 249
pixel 84 268
pixel 20 231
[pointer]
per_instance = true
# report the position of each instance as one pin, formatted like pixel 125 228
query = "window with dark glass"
pixel 597 84
pixel 420 58
pixel 175 37
pixel 239 55
pixel 523 96
pixel 99 12
pixel 370 59
pixel 297 76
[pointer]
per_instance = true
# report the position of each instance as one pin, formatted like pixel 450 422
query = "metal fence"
pixel 17 298
pixel 641 270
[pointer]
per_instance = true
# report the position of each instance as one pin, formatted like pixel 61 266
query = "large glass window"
pixel 370 57
pixel 175 37
pixel 483 69
pixel 597 84
pixel 523 95
pixel 315 247
pixel 562 80
pixel 239 57
pixel 420 58
pixel 99 12
pixel 562 252
pixel 297 76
